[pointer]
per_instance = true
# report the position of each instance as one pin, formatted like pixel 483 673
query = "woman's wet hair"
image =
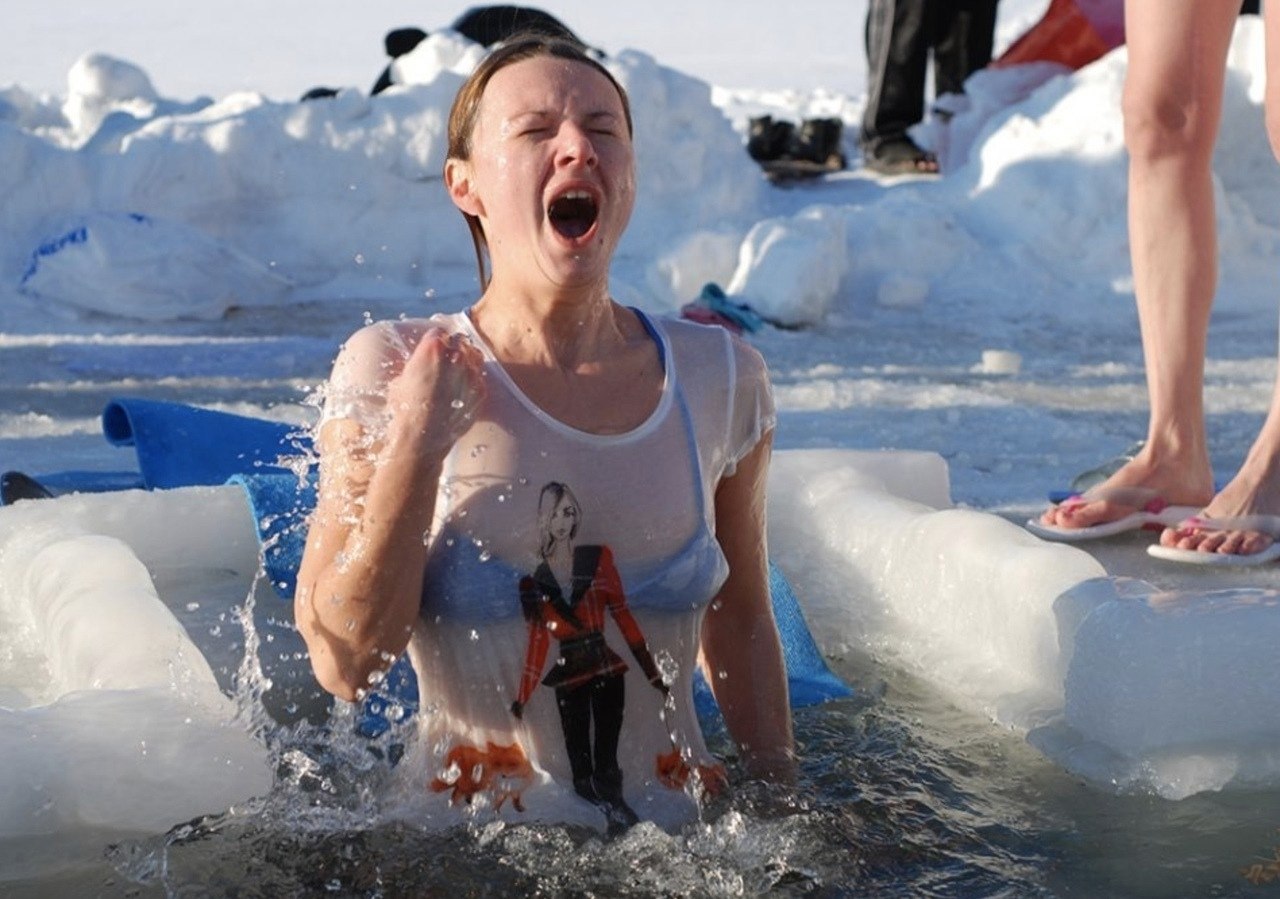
pixel 466 104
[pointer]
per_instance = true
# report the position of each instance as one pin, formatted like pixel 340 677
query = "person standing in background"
pixel 901 35
pixel 1172 111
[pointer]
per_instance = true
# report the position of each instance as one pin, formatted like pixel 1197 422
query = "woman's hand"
pixel 434 398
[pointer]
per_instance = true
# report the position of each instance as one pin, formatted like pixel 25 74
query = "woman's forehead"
pixel 545 83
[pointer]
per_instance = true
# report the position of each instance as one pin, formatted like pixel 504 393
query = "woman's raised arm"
pixel 360 581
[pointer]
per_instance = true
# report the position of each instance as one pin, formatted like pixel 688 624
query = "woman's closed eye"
pixel 605 123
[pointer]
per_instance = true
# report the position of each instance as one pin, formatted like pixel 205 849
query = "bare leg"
pixel 1172 107
pixel 1255 490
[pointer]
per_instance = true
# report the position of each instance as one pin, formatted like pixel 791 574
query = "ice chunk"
pixel 129 727
pixel 965 598
pixel 1153 670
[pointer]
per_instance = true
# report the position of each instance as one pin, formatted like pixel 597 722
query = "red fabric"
pixel 605 595
pixel 1063 35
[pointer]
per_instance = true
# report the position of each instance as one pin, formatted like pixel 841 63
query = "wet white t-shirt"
pixel 567 577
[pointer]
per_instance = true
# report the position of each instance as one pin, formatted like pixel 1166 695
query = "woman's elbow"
pixel 344 673
pixel 334 662
pixel 340 681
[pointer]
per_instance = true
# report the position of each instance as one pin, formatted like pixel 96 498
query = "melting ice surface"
pixel 1030 718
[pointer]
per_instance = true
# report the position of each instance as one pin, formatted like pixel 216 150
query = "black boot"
pixel 605 791
pixel 818 141
pixel 768 139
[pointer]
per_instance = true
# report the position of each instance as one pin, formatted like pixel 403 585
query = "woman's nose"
pixel 575 145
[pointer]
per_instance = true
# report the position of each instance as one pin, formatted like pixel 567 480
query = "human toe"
pixel 1210 541
pixel 1248 543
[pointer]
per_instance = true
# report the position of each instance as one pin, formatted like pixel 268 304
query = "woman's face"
pixel 564 518
pixel 552 171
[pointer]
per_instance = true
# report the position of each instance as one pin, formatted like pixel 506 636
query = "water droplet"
pixel 457 404
pixel 485 555
pixel 475 636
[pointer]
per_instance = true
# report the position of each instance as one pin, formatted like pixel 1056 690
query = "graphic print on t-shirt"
pixel 566 598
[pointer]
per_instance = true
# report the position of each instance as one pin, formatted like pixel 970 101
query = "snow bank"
pixel 148 269
pixel 337 197
pixel 341 197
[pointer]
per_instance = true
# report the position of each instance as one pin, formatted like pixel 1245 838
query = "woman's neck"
pixel 563 329
pixel 578 356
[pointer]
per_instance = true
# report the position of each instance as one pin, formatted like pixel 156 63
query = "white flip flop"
pixel 1263 524
pixel 1153 513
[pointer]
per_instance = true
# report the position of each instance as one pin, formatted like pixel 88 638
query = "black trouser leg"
pixel 965 32
pixel 607 702
pixel 575 720
pixel 597 707
pixel 897 62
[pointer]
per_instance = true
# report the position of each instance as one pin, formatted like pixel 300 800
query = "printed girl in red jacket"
pixel 588 675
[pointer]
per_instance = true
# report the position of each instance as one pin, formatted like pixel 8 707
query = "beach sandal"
pixel 900 156
pixel 1153 512
pixel 1263 524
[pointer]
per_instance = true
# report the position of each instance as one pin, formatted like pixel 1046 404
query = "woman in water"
pixel 437 433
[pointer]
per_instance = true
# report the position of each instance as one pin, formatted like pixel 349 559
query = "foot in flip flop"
pixel 1146 509
pixel 900 156
pixel 1237 542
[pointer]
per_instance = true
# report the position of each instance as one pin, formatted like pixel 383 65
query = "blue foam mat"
pixel 179 445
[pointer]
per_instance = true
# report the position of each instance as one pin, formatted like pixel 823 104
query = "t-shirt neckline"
pixel 659 337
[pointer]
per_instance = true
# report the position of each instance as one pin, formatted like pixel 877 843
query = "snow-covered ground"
pixel 175 225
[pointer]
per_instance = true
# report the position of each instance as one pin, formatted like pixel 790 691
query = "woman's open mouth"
pixel 573 213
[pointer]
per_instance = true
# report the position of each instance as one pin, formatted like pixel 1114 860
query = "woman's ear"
pixel 457 179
